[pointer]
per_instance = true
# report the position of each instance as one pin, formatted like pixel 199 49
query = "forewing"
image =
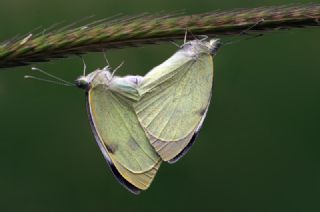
pixel 164 72
pixel 121 138
pixel 172 110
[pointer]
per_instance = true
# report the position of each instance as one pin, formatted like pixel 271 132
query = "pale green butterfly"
pixel 175 97
pixel 116 128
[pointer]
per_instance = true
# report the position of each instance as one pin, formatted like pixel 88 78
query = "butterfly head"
pixel 100 76
pixel 82 82
pixel 214 45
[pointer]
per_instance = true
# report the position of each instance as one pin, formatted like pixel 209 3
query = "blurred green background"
pixel 257 151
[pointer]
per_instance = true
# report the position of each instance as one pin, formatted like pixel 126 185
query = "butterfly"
pixel 138 122
pixel 175 96
pixel 165 108
pixel 117 130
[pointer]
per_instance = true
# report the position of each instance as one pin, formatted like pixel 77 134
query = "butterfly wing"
pixel 166 149
pixel 174 99
pixel 121 138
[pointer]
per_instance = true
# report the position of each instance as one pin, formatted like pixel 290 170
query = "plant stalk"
pixel 150 29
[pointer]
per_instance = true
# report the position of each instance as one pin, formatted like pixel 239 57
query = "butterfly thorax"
pixel 197 47
pixel 125 86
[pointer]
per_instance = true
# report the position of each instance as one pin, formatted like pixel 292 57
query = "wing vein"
pixel 128 128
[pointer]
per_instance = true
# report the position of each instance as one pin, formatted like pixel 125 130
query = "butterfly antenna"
pixel 244 32
pixel 84 65
pixel 185 36
pixel 204 37
pixel 193 35
pixel 114 71
pixel 243 39
pixel 59 80
pixel 175 44
pixel 184 40
pixel 106 59
pixel 46 80
pixel 251 27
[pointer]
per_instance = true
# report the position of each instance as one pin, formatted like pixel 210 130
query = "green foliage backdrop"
pixel 258 149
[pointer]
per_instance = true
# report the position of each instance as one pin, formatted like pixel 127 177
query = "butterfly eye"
pixel 214 46
pixel 82 82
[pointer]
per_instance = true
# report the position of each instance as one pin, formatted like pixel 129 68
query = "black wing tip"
pixel 122 180
pixel 185 150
